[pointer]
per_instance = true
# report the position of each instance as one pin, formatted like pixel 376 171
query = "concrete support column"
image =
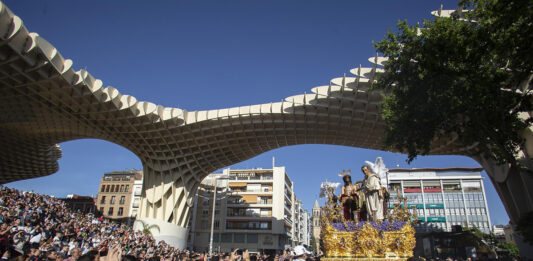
pixel 515 187
pixel 167 202
pixel 172 234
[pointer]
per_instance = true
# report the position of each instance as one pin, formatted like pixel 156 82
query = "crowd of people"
pixel 38 227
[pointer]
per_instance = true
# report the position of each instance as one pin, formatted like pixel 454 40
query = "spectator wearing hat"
pixel 300 253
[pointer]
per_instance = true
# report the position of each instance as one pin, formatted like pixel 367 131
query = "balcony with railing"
pixel 252 177
pixel 265 201
pixel 288 220
pixel 288 210
pixel 241 213
pixel 248 225
pixel 235 200
pixel 249 212
pixel 266 189
pixel 249 215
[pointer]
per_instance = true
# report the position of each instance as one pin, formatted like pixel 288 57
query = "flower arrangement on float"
pixel 343 233
pixel 368 239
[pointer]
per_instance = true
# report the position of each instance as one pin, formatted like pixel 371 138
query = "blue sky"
pixel 199 55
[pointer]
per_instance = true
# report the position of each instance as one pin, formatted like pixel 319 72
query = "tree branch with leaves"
pixel 147 228
pixel 467 76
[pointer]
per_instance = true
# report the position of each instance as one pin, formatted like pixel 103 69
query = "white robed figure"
pixel 375 174
pixel 379 169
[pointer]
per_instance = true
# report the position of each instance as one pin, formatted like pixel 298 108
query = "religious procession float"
pixel 359 225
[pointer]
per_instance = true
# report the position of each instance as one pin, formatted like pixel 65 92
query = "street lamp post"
pixel 213 214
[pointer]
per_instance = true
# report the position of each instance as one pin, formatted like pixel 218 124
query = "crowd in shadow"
pixel 36 227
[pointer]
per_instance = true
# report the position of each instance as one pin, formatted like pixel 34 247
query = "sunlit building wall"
pixel 117 197
pixel 255 209
pixel 444 198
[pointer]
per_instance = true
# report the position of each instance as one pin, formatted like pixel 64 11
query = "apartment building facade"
pixel 255 209
pixel 443 198
pixel 136 197
pixel 301 228
pixel 117 194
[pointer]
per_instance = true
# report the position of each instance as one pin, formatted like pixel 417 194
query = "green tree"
pixel 511 247
pixel 478 234
pixel 488 238
pixel 147 228
pixel 466 77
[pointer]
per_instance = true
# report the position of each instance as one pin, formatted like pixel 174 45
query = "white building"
pixel 301 228
pixel 444 198
pixel 498 230
pixel 136 197
pixel 306 229
pixel 255 209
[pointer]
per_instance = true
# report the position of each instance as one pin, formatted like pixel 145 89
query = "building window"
pixel 110 212
pixel 107 188
pixel 252 238
pixel 265 225
pixel 238 238
pixel 216 237
pixel 265 212
pixel 226 238
pixel 112 200
pixel 266 176
pixel 103 188
pixel 217 224
pixel 127 188
pixel 205 212
pixel 253 187
pixel 412 186
pixel 432 186
pixel 451 185
pixel 471 186
pixel 204 224
pixel 102 210
pixel 122 200
pixel 248 225
pixel 121 188
pixel 265 200
pixel 116 188
pixel 120 211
